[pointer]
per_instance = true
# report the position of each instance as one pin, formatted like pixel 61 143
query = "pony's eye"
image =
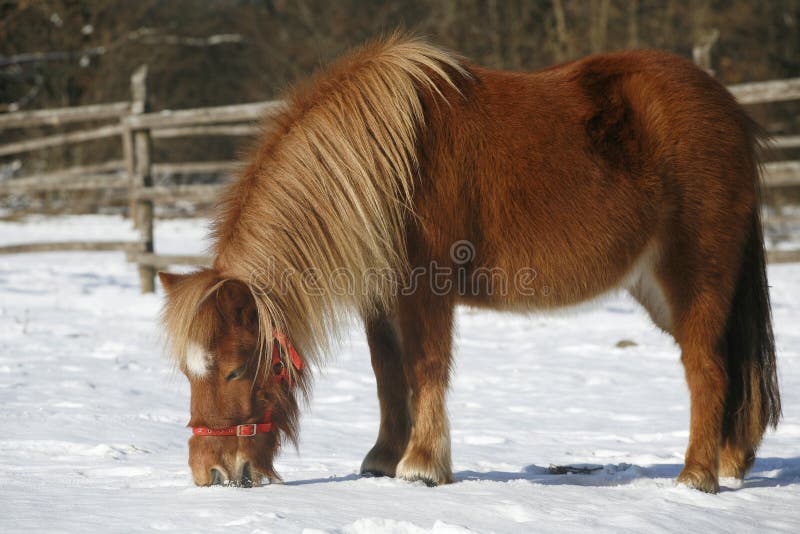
pixel 237 373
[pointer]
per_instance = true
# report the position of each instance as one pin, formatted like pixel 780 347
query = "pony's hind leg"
pixel 735 460
pixel 393 397
pixel 700 295
pixel 426 326
pixel 693 319
pixel 707 380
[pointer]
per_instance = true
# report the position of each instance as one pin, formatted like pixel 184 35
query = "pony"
pixel 403 181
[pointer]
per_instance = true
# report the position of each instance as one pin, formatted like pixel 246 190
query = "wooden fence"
pixel 136 129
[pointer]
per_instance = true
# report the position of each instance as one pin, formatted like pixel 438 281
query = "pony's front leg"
pixel 393 397
pixel 426 323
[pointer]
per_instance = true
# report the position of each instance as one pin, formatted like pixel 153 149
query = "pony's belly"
pixel 524 289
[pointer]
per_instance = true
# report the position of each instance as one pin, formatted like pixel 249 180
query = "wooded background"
pixel 61 53
pixel 211 52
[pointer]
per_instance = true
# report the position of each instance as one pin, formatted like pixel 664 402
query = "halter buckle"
pixel 246 431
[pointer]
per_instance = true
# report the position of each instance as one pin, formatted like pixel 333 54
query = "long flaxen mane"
pixel 315 224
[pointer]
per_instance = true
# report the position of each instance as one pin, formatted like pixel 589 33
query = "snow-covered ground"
pixel 93 437
pixel 175 236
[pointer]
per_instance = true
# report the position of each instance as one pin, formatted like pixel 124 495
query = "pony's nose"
pixel 216 477
pixel 247 476
pixel 212 465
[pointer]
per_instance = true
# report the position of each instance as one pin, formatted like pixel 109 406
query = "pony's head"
pixel 243 378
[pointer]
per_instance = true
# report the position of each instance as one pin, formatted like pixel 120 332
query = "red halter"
pixel 281 375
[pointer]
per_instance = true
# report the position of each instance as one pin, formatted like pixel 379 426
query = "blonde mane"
pixel 327 194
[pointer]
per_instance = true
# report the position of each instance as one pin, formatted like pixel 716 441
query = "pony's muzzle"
pixel 212 466
pixel 215 476
pixel 218 476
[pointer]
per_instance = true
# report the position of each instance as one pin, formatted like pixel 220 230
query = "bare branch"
pixel 148 36
pixel 24 100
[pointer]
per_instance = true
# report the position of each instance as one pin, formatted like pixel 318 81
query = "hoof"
pixel 735 463
pixel 431 475
pixel 732 471
pixel 372 473
pixel 379 462
pixel 700 479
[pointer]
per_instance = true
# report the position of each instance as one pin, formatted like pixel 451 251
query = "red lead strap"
pixel 278 367
pixel 281 375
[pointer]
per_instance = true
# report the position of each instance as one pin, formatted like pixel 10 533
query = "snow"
pixel 94 439
pixel 177 236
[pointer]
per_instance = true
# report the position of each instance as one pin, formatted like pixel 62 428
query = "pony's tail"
pixel 753 401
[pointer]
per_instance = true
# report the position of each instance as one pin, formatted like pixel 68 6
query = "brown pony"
pixel 403 181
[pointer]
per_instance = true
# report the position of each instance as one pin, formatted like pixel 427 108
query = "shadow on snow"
pixel 767 472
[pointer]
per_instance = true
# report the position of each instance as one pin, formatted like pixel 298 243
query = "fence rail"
pixel 61 139
pixel 199 116
pixel 80 177
pixel 131 247
pixel 780 174
pixel 207 131
pixel 770 91
pixel 164 261
pixel 61 116
pixel 136 128
pixel 786 141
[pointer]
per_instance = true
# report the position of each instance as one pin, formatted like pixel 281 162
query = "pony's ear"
pixel 170 280
pixel 235 302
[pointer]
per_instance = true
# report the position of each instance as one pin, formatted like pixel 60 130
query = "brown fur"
pixel 628 170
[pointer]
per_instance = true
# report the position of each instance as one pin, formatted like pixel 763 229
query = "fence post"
pixel 141 177
pixel 701 52
pixel 138 106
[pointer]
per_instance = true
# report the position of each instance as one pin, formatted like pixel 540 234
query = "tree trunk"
pixel 598 29
pixel 563 48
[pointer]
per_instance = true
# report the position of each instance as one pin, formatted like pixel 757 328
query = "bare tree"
pixel 598 24
pixel 563 49
pixel 633 24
